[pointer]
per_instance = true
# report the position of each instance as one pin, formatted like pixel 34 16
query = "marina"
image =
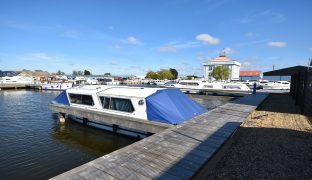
pixel 162 90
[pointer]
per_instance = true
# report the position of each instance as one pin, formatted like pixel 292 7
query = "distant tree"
pixel 174 72
pixel 107 74
pixel 38 70
pixel 221 73
pixel 59 72
pixel 86 72
pixel 190 77
pixel 78 73
pixel 152 75
pixel 165 74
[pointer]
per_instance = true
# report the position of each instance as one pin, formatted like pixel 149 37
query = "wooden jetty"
pixel 179 152
pixel 12 86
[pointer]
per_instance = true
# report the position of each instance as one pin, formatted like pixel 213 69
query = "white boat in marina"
pixel 57 86
pixel 191 86
pixel 278 85
pixel 16 80
pixel 169 106
pixel 202 86
pixel 158 82
pixel 108 81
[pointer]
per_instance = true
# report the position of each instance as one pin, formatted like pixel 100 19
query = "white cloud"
pixel 133 40
pixel 250 43
pixel 168 48
pixel 203 58
pixel 71 34
pixel 229 51
pixel 266 15
pixel 207 39
pixel 246 65
pixel 278 44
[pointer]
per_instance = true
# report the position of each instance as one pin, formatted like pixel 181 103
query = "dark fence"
pixel 301 85
pixel 301 90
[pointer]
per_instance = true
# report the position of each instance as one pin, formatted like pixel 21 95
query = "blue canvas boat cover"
pixel 172 106
pixel 61 99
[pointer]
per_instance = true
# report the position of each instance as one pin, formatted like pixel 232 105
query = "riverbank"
pixel 273 143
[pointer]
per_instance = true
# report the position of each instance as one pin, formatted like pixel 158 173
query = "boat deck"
pixel 178 152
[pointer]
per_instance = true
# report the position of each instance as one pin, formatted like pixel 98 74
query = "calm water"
pixel 33 145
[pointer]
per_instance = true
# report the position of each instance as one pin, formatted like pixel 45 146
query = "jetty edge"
pixel 179 152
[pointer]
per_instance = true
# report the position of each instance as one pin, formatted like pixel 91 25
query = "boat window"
pixel 121 105
pixel 105 102
pixel 117 104
pixel 81 99
pixel 189 83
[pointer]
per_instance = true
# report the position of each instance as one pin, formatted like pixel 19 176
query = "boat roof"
pixel 124 91
pixel 140 92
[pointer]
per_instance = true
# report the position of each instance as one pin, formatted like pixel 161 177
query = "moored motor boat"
pixel 57 86
pixel 162 105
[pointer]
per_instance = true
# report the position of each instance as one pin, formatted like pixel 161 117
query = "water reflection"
pixel 88 139
pixel 35 146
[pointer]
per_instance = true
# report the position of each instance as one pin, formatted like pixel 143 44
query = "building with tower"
pixel 222 60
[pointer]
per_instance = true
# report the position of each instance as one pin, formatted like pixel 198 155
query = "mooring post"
pixel 85 121
pixel 254 88
pixel 62 118
pixel 115 127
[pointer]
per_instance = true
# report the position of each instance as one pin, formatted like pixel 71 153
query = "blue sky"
pixel 132 37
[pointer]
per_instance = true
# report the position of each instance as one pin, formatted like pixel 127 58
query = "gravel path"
pixel 275 142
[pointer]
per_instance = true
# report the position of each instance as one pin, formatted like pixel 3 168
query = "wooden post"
pixel 85 121
pixel 62 118
pixel 115 127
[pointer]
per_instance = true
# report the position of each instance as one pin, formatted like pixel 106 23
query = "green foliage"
pixel 107 74
pixel 86 72
pixel 151 75
pixel 79 73
pixel 221 73
pixel 190 77
pixel 174 72
pixel 59 72
pixel 165 74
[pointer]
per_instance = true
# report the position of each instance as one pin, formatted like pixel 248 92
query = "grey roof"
pixel 286 71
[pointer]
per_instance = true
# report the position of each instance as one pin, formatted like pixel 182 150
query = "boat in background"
pixel 202 86
pixel 278 85
pixel 57 86
pixel 16 80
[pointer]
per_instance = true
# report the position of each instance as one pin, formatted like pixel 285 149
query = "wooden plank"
pixel 94 173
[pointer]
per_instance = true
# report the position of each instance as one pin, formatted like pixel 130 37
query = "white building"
pixel 222 60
